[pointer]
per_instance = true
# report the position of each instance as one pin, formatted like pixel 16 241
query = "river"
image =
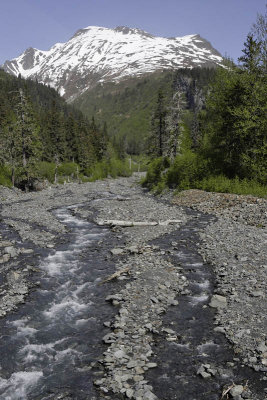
pixel 48 345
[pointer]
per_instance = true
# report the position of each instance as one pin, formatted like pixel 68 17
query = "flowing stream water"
pixel 50 345
pixel 177 377
pixel 47 346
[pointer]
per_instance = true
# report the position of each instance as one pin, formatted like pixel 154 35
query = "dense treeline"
pixel 176 116
pixel 215 137
pixel 126 107
pixel 37 127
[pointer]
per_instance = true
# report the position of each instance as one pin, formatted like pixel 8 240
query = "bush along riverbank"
pixel 47 173
pixel 189 171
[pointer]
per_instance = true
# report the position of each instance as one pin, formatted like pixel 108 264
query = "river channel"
pixel 49 346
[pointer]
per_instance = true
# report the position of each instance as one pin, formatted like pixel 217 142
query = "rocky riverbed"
pixel 171 265
pixel 236 245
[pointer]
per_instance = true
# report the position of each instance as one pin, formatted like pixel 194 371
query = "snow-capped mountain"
pixel 97 55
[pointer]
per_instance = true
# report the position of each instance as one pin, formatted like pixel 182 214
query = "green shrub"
pixel 46 170
pixel 5 176
pixel 84 178
pixel 140 163
pixel 118 167
pixel 159 188
pixel 222 184
pixel 98 171
pixel 111 168
pixel 155 172
pixel 186 169
pixel 68 169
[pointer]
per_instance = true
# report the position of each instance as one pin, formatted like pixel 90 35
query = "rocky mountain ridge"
pixel 96 55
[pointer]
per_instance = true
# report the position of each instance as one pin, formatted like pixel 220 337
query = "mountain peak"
pixel 96 55
pixel 126 30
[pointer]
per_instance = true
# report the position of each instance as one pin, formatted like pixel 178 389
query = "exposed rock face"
pixel 98 55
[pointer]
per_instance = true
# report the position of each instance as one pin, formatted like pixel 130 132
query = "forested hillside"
pixel 215 137
pixel 127 107
pixel 38 128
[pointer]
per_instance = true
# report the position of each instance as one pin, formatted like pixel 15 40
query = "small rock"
pixel 173 302
pixel 117 251
pixel 168 330
pixel 99 382
pixel 202 371
pixel 151 365
pixel 26 251
pixel 257 293
pixel 149 396
pixel 11 251
pixel 154 299
pixel 262 348
pixel 119 354
pixel 129 393
pixel 132 364
pixel 218 301
pixel 6 243
pixel 138 378
pixel 5 258
pixel 133 249
pixel 237 390
pixel 109 338
pixel 219 329
pixel 205 374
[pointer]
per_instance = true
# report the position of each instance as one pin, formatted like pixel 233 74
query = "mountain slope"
pixel 98 55
pixel 127 106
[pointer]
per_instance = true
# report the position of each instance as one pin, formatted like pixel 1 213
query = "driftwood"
pixel 115 275
pixel 227 391
pixel 170 222
pixel 114 222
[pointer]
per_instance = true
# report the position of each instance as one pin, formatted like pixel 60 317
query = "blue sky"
pixel 42 23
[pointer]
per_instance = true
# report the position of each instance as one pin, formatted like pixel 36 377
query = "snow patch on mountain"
pixel 94 55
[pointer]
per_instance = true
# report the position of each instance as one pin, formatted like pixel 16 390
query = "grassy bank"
pixel 190 171
pixel 72 172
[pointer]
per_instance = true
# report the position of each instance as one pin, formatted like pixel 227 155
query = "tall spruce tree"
pixel 26 132
pixel 11 148
pixel 235 123
pixel 158 137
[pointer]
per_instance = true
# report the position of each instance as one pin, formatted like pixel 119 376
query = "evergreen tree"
pixel 86 154
pixel 10 148
pixel 26 131
pixel 158 138
pixel 251 57
pixel 71 135
pixel 55 134
pixel 259 33
pixel 103 141
pixel 235 122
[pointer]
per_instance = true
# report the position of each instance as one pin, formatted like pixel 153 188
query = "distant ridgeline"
pixel 37 125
